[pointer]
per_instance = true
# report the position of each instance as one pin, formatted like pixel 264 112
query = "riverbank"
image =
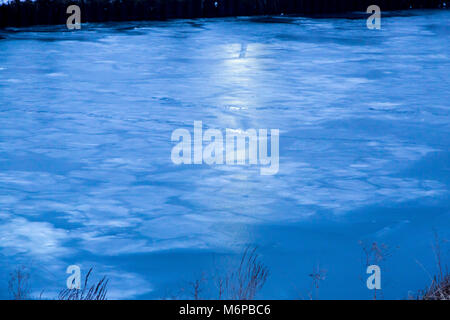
pixel 50 12
pixel 243 282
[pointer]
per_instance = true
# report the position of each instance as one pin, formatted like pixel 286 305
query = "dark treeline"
pixel 40 12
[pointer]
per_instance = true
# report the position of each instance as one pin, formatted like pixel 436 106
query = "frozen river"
pixel 86 175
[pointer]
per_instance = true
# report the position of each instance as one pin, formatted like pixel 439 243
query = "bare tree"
pixel 375 254
pixel 197 287
pixel 18 284
pixel 317 276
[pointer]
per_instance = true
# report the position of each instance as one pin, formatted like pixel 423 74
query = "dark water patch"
pixel 439 29
pixel 196 24
pixel 434 166
pixel 326 38
pixel 59 219
pixel 37 29
pixel 36 163
pixel 274 19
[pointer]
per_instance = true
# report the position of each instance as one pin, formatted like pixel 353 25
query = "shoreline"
pixel 48 12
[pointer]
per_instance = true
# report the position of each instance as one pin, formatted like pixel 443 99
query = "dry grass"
pixel 249 278
pixel 439 288
pixel 246 279
pixel 97 291
pixel 243 282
